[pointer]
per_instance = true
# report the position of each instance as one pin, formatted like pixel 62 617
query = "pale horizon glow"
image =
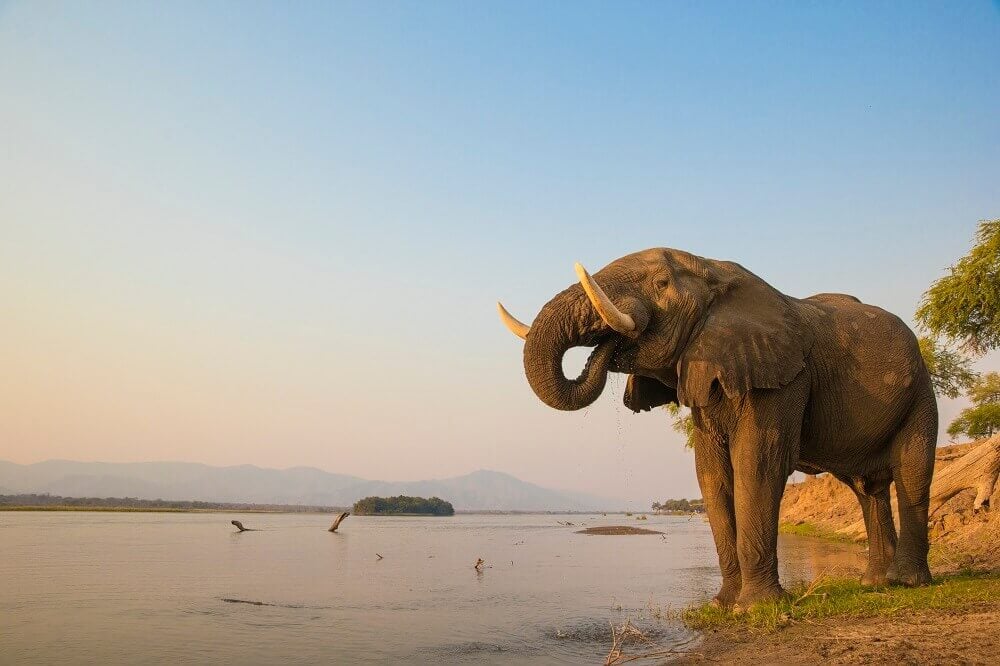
pixel 248 234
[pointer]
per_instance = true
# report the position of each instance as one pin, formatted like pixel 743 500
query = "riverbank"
pixel 961 635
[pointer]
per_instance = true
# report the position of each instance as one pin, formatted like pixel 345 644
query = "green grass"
pixel 838 597
pixel 813 530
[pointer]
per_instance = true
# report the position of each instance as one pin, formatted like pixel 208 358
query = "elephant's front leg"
pixel 763 448
pixel 715 477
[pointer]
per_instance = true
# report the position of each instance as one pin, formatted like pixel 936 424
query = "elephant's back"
pixel 832 297
pixel 862 329
pixel 867 371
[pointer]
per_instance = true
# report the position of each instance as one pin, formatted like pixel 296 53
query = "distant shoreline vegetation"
pixel 47 502
pixel 679 506
pixel 34 502
pixel 402 505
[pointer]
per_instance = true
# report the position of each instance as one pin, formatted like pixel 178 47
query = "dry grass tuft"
pixel 630 635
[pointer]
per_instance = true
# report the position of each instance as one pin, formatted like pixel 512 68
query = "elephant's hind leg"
pixel 874 499
pixel 912 470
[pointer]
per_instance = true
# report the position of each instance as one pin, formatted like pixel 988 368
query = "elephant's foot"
pixel 876 575
pixel 726 596
pixel 909 574
pixel 875 579
pixel 750 597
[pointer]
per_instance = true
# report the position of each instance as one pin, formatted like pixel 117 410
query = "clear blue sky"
pixel 274 234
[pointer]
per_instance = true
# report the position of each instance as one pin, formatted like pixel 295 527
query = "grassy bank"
pixel 839 597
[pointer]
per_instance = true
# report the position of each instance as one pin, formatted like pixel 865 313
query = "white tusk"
pixel 612 316
pixel 512 324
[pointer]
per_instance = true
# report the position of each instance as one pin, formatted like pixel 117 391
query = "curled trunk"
pixel 567 321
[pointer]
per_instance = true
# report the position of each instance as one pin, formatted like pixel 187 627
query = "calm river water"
pixel 158 588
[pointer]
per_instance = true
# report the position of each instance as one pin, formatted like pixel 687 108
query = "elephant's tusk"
pixel 513 325
pixel 612 316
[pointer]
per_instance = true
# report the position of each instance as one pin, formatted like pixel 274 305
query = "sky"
pixel 258 233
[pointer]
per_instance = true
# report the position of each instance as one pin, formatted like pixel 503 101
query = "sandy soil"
pixel 965 636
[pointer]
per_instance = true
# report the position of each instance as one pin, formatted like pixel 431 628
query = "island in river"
pixel 403 505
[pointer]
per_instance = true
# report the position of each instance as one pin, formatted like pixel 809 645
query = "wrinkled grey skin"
pixel 775 384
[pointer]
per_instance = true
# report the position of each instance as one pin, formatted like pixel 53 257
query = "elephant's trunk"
pixel 563 323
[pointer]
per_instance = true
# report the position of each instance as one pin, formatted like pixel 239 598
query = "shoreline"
pixel 126 509
pixel 838 620
pixel 320 511
pixel 963 635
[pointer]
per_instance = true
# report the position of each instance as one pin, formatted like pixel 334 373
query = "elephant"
pixel 774 384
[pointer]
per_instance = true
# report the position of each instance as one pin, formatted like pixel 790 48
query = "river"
pixel 188 589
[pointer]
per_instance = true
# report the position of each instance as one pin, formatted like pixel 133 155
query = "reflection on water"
pixel 186 588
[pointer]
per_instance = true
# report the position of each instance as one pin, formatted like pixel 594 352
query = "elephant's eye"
pixel 662 283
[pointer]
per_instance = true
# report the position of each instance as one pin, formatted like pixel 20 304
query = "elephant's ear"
pixel 644 393
pixel 753 337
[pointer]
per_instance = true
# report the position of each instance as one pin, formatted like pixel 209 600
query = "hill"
pixel 480 490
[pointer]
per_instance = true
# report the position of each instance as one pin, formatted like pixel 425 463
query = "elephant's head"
pixel 687 329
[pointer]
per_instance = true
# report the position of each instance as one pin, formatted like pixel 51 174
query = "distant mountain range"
pixel 481 490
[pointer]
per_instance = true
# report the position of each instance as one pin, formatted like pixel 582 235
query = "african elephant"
pixel 774 383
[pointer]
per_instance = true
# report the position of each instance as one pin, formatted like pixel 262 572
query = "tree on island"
pixel 403 504
pixel 680 506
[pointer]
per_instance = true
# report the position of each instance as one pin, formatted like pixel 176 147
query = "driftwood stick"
pixel 978 469
pixel 339 519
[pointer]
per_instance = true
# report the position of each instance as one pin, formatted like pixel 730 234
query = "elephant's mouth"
pixel 622 358
pixel 598 345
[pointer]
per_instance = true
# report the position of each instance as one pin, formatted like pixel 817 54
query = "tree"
pixel 402 504
pixel 683 423
pixel 951 371
pixel 983 418
pixel 680 505
pixel 964 305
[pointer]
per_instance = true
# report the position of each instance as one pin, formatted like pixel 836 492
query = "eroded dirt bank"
pixel 960 538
